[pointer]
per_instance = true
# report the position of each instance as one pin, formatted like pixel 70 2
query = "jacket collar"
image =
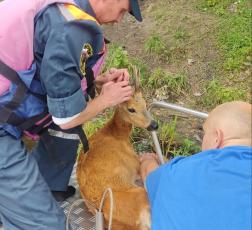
pixel 85 5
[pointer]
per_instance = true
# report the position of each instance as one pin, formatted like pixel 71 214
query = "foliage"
pixel 117 57
pixel 217 94
pixel 155 45
pixel 168 138
pixel 234 33
pixel 180 33
pixel 175 83
pixel 92 126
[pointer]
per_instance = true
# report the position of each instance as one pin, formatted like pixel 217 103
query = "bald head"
pixel 228 124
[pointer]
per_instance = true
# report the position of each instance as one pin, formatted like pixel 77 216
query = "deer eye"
pixel 131 110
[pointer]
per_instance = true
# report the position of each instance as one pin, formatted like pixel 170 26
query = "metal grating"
pixel 80 218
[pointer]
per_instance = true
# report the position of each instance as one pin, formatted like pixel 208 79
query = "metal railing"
pixel 169 106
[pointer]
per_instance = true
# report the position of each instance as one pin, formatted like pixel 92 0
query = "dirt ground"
pixel 199 46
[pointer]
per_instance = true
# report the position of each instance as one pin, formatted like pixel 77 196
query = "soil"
pixel 199 45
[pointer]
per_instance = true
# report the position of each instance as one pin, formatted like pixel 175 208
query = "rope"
pixel 108 190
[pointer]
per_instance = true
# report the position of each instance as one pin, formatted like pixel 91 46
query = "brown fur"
pixel 112 163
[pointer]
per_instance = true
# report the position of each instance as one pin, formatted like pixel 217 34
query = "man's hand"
pixel 148 163
pixel 114 93
pixel 115 75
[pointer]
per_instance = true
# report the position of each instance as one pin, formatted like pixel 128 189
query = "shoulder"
pixel 51 23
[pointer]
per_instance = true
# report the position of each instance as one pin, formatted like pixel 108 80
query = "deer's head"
pixel 135 111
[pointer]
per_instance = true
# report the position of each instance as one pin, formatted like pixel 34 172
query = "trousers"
pixel 26 181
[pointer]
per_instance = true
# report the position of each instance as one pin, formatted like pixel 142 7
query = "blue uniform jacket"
pixel 57 49
pixel 210 190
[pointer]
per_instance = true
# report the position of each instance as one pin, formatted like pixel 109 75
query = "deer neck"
pixel 118 127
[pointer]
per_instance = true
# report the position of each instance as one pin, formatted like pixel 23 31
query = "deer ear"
pixel 135 78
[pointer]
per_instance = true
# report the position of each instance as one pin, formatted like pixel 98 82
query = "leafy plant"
pixel 217 94
pixel 187 148
pixel 168 138
pixel 117 57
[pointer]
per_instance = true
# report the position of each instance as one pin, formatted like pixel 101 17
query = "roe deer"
pixel 112 163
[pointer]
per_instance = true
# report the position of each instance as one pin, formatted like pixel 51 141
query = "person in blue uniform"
pixel 66 50
pixel 211 189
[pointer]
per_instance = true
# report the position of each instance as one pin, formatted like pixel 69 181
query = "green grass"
pixel 175 83
pixel 95 124
pixel 168 138
pixel 159 13
pixel 119 58
pixel 234 32
pixel 154 44
pixel 180 33
pixel 217 94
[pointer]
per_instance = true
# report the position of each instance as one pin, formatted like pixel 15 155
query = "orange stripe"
pixel 79 14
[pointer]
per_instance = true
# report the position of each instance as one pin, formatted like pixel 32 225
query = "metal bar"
pixel 165 105
pixel 177 108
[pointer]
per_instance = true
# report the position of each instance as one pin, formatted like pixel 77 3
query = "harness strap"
pixel 65 134
pixel 30 124
pixel 19 96
pixel 79 130
pixel 90 82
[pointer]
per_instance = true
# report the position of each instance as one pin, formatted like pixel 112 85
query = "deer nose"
pixel 153 126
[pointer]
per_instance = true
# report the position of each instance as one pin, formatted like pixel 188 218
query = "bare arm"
pixel 148 163
pixel 112 93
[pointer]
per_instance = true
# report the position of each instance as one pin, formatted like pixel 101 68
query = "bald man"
pixel 210 190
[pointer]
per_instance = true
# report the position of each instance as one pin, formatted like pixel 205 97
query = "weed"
pixel 180 33
pixel 187 148
pixel 168 138
pixel 117 57
pixel 175 83
pixel 217 94
pixel 155 45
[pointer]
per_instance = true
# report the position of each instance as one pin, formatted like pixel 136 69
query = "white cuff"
pixel 62 121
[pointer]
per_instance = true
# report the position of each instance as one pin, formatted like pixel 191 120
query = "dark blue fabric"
pixel 210 190
pixel 57 47
pixel 25 200
pixel 56 165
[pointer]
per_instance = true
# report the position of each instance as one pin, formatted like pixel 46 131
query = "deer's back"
pixel 110 162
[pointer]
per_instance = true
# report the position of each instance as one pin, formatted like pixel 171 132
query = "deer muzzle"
pixel 153 126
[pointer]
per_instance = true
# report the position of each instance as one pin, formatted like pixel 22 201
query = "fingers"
pixel 118 75
pixel 148 156
pixel 116 92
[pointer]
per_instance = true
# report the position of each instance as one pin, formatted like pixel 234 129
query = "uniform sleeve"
pixel 60 67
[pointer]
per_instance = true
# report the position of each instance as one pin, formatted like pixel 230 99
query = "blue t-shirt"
pixel 210 190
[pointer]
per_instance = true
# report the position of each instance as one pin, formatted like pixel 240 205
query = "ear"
pixel 218 142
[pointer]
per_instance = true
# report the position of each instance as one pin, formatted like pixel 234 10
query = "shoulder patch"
pixel 86 52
